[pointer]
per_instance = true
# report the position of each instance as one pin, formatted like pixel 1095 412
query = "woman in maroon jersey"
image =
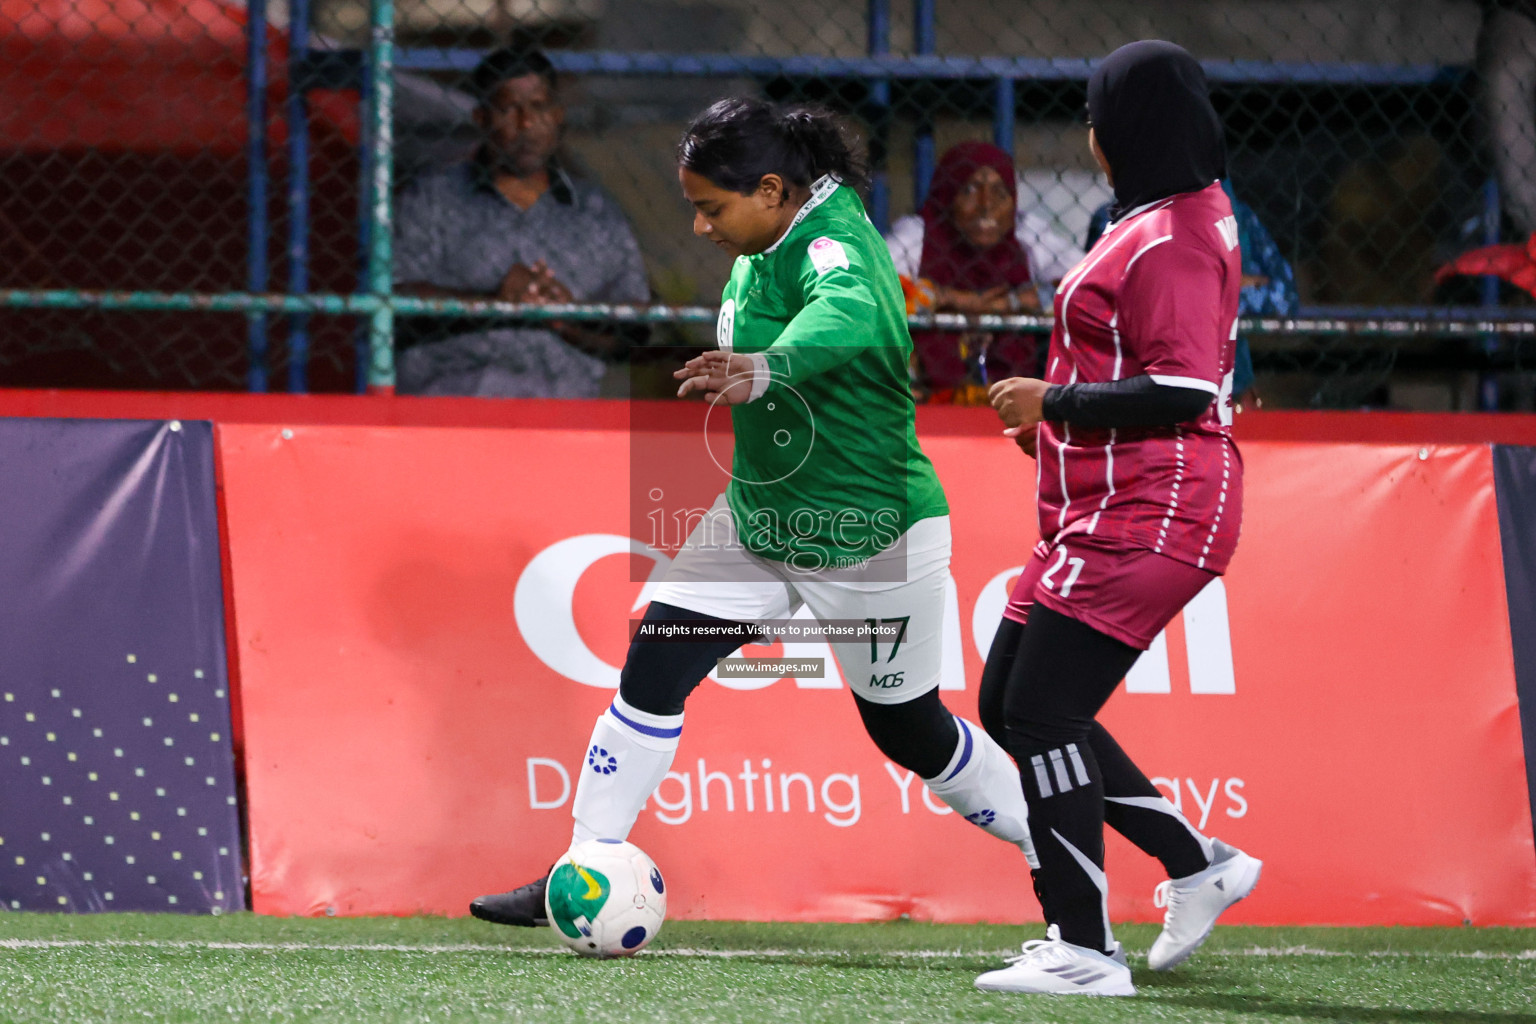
pixel 1140 498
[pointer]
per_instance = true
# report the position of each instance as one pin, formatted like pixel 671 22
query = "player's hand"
pixel 958 300
pixel 723 377
pixel 1018 401
pixel 1027 442
pixel 1028 299
pixel 546 287
pixel 517 284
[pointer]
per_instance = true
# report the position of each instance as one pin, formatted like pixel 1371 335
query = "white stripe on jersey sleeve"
pixel 1186 382
pixel 1143 250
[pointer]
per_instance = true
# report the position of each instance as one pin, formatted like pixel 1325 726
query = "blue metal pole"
pixel 257 186
pixel 925 36
pixel 381 322
pixel 923 159
pixel 1492 214
pixel 298 193
pixel 924 42
pixel 880 97
pixel 1488 382
pixel 1002 117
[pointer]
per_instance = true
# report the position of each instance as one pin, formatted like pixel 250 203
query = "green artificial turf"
pixel 126 967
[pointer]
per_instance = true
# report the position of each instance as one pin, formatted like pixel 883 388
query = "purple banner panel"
pixel 117 780
pixel 1514 480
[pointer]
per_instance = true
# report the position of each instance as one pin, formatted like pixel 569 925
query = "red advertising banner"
pixel 428 621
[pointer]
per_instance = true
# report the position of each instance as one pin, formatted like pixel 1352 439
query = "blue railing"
pixel 370 72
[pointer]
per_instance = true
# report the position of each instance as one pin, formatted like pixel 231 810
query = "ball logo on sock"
pixel 601 761
pixel 983 817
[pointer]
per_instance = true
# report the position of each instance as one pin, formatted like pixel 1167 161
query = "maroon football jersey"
pixel 1157 295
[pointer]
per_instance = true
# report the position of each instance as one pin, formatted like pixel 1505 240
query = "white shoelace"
pixel 1042 950
pixel 1168 895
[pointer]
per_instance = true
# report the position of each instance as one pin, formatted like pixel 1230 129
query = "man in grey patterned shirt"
pixel 510 224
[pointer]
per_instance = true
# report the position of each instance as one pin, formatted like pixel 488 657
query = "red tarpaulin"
pixel 136 74
pixel 123 166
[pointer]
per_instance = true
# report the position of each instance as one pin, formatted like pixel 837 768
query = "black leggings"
pixel 1121 776
pixel 920 735
pixel 1043 685
pixel 1068 674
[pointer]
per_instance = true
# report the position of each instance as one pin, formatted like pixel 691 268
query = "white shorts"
pixel 716 575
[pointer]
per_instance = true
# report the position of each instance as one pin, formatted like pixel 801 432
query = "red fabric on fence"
pixel 123 167
pixel 157 75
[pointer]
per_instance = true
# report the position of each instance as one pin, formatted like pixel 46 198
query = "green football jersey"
pixel 827 470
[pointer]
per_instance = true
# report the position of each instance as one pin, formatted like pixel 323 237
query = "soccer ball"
pixel 605 898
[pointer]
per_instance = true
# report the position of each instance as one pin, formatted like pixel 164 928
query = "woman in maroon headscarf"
pixel 962 255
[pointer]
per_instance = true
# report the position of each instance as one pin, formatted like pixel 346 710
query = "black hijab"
pixel 1151 111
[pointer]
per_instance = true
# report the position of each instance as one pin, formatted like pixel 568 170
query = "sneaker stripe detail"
pixel 1078 768
pixel 1041 779
pixel 1051 965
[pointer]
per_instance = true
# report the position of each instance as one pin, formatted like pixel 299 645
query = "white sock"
pixel 981 782
pixel 628 756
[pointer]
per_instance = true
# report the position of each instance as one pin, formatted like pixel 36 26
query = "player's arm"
pixel 1140 401
pixel 1174 326
pixel 835 322
pixel 833 325
pixel 1170 309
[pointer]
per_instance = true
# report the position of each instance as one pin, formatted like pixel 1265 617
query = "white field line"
pixel 724 954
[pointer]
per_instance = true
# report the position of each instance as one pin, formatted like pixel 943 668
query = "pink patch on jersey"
pixel 1157 295
pixel 827 253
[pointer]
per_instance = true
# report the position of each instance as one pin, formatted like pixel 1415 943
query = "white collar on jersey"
pixel 1143 208
pixel 821 189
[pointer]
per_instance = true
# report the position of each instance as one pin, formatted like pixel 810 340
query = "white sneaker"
pixel 1194 903
pixel 1053 967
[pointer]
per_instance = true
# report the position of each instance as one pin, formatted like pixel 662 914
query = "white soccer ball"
pixel 605 898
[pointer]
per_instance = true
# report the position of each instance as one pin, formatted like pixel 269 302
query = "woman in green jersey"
pixel 831 505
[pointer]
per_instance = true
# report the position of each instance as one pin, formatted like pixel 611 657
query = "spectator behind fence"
pixel 971 250
pixel 511 224
pixel 1269 283
pixel 1506 63
pixel 1506 67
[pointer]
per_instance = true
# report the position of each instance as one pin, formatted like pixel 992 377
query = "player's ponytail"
pixel 737 141
pixel 824 142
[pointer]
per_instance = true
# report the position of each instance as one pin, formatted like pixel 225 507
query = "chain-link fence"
pixel 190 186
